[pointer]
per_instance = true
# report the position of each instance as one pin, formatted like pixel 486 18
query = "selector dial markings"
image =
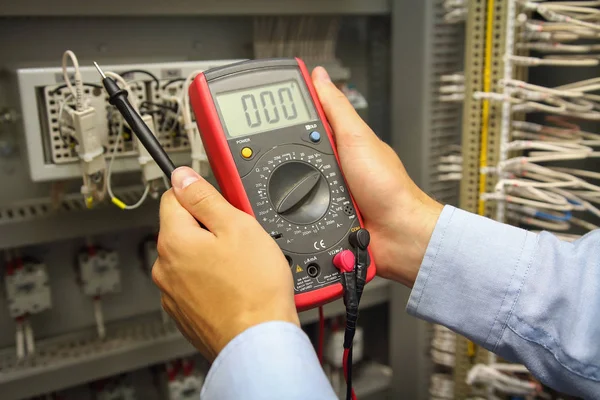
pixel 298 193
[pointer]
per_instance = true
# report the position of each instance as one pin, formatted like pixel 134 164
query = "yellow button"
pixel 246 152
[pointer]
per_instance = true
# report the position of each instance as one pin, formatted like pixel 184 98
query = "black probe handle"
pixel 118 98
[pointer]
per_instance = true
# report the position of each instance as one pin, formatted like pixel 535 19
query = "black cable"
pixel 146 103
pixel 152 112
pixel 353 289
pixel 349 377
pixel 118 98
pixel 348 280
pixel 172 81
pixel 141 71
pixel 64 85
pixel 360 240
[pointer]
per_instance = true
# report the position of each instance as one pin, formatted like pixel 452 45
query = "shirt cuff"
pixel 472 274
pixel 272 360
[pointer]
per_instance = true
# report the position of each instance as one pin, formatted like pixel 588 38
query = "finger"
pixel 202 200
pixel 175 220
pixel 158 276
pixel 346 123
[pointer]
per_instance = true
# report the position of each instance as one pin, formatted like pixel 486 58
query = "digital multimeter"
pixel 272 153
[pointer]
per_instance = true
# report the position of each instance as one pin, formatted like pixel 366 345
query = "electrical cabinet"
pixel 46 214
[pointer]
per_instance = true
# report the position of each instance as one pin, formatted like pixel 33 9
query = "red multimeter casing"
pixel 271 150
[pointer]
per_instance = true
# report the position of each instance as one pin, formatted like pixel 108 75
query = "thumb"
pixel 347 125
pixel 201 199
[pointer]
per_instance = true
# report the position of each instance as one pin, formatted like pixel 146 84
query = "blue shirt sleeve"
pixel 529 298
pixel 274 360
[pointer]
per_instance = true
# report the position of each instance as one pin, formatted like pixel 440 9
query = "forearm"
pixel 273 360
pixel 530 298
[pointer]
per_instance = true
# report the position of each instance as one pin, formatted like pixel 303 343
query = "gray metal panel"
pixel 379 76
pixel 409 340
pixel 409 96
pixel 77 358
pixel 77 223
pixel 192 7
pixel 423 47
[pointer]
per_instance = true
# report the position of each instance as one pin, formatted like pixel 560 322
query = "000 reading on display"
pixel 262 108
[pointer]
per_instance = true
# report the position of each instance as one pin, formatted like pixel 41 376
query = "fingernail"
pixel 322 74
pixel 183 177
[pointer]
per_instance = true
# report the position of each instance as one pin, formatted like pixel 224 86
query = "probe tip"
pixel 99 70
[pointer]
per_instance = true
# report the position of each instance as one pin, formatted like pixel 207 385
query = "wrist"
pixel 408 234
pixel 273 312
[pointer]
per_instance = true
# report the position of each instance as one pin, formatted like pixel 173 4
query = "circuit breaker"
pixel 117 391
pixel 99 272
pixel 187 388
pixel 184 381
pixel 27 289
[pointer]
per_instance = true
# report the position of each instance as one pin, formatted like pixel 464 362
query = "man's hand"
pixel 216 283
pixel 399 216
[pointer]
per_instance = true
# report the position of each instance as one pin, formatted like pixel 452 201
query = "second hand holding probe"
pixel 118 98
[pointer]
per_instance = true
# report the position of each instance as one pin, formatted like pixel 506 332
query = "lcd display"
pixel 263 108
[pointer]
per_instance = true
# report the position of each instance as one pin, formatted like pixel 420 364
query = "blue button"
pixel 315 136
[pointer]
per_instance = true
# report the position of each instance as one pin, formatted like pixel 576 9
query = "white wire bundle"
pixel 309 37
pixel 89 189
pixel 563 22
pixel 77 89
pixel 537 195
pixel 501 378
pixel 572 101
pixel 441 358
pixel 443 339
pixel 544 197
pixel 449 165
pixel 441 386
pixel 443 346
pixel 452 88
pixel 550 188
pixel 456 11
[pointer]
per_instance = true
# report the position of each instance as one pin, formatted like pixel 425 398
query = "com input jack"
pixel 313 270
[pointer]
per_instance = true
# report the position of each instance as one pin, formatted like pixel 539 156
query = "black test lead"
pixel 118 98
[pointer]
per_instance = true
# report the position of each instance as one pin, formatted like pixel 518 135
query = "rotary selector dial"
pixel 299 192
pixel 298 195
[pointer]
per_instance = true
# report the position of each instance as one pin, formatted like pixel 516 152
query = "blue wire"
pixel 551 217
